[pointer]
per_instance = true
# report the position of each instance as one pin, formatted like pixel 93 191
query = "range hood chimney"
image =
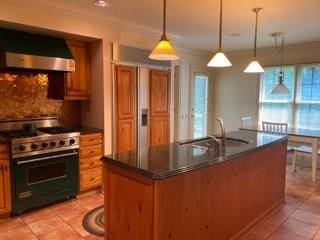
pixel 22 50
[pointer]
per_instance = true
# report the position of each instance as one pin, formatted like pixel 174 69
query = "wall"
pixel 189 63
pixel 236 93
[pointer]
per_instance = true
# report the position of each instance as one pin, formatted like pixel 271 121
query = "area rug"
pixel 93 221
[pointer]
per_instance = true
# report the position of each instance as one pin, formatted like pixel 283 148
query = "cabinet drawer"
pixel 91 151
pixel 90 139
pixel 3 151
pixel 90 178
pixel 92 162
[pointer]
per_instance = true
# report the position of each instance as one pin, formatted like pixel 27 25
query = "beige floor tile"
pixel 64 233
pixel 11 224
pixel 285 235
pixel 21 233
pixel 299 228
pixel 44 226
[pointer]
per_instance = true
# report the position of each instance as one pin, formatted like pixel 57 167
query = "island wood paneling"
pixel 222 201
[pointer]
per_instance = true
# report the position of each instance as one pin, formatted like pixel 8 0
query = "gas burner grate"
pixel 55 130
pixel 20 133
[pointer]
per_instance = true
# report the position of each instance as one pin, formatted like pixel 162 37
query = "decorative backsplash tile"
pixel 24 95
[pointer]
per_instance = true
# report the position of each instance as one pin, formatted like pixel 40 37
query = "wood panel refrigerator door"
pixel 125 104
pixel 159 107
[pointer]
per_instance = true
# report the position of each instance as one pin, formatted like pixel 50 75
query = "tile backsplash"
pixel 24 95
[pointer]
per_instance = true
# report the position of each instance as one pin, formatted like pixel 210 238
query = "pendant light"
pixel 280 88
pixel 164 50
pixel 219 59
pixel 254 66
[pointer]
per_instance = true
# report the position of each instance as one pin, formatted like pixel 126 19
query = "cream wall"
pixel 236 93
pixel 189 63
pixel 32 15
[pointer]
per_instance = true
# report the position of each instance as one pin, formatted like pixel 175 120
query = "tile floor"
pixel 297 219
pixel 62 221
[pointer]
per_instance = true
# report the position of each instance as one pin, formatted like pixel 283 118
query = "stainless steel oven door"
pixel 38 180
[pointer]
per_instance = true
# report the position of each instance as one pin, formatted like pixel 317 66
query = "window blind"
pixel 200 106
pixel 308 97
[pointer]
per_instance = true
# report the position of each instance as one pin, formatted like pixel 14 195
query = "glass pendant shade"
pixel 164 51
pixel 219 60
pixel 254 67
pixel 280 88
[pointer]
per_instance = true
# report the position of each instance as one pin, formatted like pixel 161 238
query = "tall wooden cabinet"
pixel 125 106
pixel 159 107
pixel 73 85
pixel 5 192
pixel 78 82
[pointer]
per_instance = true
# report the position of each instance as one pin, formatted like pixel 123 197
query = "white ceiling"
pixel 194 24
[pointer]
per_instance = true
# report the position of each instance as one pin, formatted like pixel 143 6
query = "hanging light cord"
pixel 164 34
pixel 220 27
pixel 256 10
pixel 280 49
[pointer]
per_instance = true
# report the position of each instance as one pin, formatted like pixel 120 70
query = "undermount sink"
pixel 209 143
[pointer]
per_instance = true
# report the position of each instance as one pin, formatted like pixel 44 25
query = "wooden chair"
pixel 246 122
pixel 303 150
pixel 275 127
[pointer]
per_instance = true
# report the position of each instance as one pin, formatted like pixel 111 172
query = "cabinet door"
pixel 5 193
pixel 78 82
pixel 125 135
pixel 159 107
pixel 159 93
pixel 159 130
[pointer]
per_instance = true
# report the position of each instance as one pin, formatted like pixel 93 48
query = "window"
pixel 308 98
pixel 301 106
pixel 200 105
pixel 277 107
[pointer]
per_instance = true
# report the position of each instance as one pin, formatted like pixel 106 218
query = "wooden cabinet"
pixel 73 85
pixel 125 105
pixel 5 191
pixel 159 107
pixel 90 166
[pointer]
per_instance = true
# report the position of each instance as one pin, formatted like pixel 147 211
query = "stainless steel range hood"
pixel 22 50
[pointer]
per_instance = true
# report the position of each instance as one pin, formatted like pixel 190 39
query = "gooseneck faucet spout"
pixel 223 131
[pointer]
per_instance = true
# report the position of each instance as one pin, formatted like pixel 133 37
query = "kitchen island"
pixel 181 192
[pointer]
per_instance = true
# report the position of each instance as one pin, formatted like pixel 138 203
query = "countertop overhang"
pixel 172 159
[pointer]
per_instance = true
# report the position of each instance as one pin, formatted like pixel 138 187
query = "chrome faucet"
pixel 223 131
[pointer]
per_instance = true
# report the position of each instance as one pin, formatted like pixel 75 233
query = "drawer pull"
pixel 91 152
pixel 91 164
pixel 92 179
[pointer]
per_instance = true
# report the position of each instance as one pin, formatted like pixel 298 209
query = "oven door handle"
pixel 46 158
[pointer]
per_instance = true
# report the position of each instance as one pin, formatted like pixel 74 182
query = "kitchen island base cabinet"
pixel 222 201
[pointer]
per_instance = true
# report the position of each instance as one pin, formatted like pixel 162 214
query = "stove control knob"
pixel 22 147
pixel 34 146
pixel 62 143
pixel 44 145
pixel 52 144
pixel 72 141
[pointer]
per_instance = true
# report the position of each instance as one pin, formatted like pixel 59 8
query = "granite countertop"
pixel 172 159
pixel 88 130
